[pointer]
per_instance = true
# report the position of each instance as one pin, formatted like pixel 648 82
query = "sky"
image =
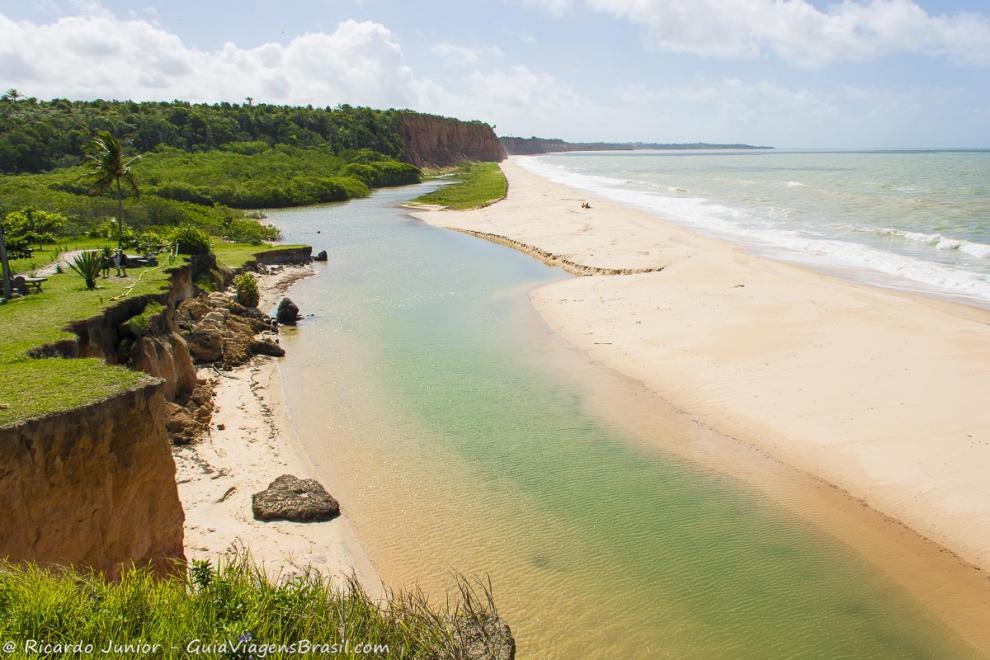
pixel 786 73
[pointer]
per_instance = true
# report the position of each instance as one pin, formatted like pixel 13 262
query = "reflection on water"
pixel 461 436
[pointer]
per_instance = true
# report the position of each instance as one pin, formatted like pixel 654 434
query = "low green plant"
pixel 191 240
pixel 88 265
pixel 247 290
pixel 237 602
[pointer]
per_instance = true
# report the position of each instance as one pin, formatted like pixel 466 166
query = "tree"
pixel 110 171
pixel 12 95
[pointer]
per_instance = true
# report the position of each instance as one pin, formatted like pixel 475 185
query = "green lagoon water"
pixel 459 437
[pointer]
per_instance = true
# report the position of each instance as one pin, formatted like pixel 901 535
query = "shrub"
pixel 247 290
pixel 191 240
pixel 88 264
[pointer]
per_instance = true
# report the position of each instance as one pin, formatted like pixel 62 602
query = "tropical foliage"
pixel 108 170
pixel 88 265
pixel 37 136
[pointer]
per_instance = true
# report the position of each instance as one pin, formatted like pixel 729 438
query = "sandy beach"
pixel 249 444
pixel 879 393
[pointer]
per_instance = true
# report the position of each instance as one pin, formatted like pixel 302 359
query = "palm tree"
pixel 110 171
pixel 12 94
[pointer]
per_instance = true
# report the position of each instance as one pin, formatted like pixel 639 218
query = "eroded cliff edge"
pixel 432 141
pixel 95 486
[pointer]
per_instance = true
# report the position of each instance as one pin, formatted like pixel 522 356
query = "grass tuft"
pixel 236 602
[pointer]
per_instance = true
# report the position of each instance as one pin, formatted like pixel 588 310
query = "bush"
pixel 191 240
pixel 88 264
pixel 247 290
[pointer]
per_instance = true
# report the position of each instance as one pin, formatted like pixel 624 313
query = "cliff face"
pixel 437 141
pixel 93 486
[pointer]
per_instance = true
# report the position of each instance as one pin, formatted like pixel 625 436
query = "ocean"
pixel 912 220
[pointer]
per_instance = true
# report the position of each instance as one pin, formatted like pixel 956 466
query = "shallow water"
pixel 917 220
pixel 462 436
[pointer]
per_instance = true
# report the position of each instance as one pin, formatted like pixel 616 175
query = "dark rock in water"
pixel 488 639
pixel 287 312
pixel 266 347
pixel 298 500
pixel 320 256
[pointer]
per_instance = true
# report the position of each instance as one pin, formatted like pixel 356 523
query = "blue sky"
pixel 797 73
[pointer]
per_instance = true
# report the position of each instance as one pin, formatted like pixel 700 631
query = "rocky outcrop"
pixel 93 487
pixel 432 141
pixel 294 499
pixel 220 331
pixel 287 312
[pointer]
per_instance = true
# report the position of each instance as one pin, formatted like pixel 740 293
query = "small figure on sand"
pixel 585 205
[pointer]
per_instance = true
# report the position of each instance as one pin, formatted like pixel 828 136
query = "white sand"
pixel 883 394
pixel 218 475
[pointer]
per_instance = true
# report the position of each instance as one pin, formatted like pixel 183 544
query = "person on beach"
pixel 120 263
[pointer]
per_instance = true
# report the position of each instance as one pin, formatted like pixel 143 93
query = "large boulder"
pixel 320 256
pixel 295 499
pixel 205 343
pixel 287 312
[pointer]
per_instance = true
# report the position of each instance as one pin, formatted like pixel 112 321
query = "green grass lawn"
pixel 31 387
pixel 45 254
pixel 479 184
pixel 235 255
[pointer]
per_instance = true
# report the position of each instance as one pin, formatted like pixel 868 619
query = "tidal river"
pixel 462 436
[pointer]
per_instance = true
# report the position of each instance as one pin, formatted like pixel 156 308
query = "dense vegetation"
pixel 199 164
pixel 235 612
pixel 37 136
pixel 478 184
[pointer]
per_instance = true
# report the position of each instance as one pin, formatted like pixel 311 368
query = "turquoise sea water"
pixel 460 435
pixel 912 220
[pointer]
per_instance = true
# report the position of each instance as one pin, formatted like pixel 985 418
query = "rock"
pixel 320 256
pixel 287 312
pixel 181 426
pixel 490 639
pixel 298 500
pixel 266 347
pixel 205 343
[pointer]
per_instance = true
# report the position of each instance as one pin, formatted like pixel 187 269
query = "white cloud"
pixel 98 55
pixel 799 32
pixel 454 55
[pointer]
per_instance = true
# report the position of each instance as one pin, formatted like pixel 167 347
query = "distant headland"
pixel 517 146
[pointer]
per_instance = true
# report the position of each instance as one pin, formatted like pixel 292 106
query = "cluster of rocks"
pixel 222 332
pixel 190 419
pixel 219 331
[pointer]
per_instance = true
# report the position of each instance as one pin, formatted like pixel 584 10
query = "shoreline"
pixel 824 376
pixel 250 442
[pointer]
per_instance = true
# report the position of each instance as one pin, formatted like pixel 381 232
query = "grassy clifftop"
pixel 476 185
pixel 31 386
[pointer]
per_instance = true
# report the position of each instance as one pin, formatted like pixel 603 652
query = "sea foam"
pixel 859 260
